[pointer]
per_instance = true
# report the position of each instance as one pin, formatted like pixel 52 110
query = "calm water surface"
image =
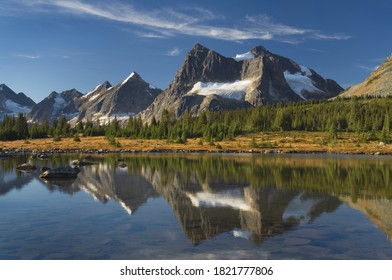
pixel 199 207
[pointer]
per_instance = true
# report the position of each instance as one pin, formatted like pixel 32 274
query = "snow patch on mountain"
pixel 59 103
pixel 105 119
pixel 301 81
pixel 89 93
pixel 127 79
pixel 15 108
pixel 1 87
pixel 305 71
pixel 235 90
pixel 244 56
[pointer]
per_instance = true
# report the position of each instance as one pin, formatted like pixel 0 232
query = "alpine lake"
pixel 199 206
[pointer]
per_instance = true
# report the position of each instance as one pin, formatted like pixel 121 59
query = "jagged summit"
pixel 106 84
pixel 259 51
pixel 199 47
pixel 55 105
pixel 98 89
pixel 12 103
pixel 127 98
pixel 134 76
pixel 250 79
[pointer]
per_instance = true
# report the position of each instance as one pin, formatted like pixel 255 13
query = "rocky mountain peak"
pixel 106 85
pixel 27 100
pixel 198 48
pixel 208 80
pixel 12 103
pixel 3 87
pixel 259 51
pixel 133 77
pixel 203 64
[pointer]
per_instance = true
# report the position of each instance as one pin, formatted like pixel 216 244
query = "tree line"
pixel 369 117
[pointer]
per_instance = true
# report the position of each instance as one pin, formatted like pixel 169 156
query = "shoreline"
pixel 263 143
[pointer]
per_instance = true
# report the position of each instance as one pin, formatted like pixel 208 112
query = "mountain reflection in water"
pixel 249 197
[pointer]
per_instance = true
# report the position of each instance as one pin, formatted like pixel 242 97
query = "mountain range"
pixel 206 80
pixel 104 102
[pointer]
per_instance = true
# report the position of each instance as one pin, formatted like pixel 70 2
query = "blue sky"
pixel 57 45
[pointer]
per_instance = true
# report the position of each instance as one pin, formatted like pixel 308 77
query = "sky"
pixel 56 45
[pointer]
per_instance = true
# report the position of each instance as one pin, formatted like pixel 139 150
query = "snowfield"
pixel 105 119
pixel 235 90
pixel 244 56
pixel 59 103
pixel 16 108
pixel 301 81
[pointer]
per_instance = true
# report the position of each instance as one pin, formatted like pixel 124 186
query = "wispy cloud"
pixel 174 52
pixel 28 56
pixel 192 21
pixel 316 50
pixel 368 68
pixel 152 35
pixel 320 36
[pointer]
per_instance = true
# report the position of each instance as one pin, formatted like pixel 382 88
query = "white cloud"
pixel 150 35
pixel 319 36
pixel 174 52
pixel 28 56
pixel 169 22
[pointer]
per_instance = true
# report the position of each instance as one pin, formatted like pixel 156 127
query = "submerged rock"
pixel 26 167
pixel 60 172
pixel 81 163
pixel 42 156
pixel 44 168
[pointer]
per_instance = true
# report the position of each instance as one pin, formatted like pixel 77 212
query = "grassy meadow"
pixel 300 142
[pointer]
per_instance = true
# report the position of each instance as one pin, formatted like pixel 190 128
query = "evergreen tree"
pixel 20 127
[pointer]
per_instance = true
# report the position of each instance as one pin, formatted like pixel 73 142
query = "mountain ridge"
pixel 102 103
pixel 252 79
pixel 12 103
pixel 378 83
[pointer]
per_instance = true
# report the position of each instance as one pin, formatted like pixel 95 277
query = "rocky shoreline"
pixel 57 151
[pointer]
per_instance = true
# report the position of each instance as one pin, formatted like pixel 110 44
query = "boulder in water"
pixel 26 167
pixel 60 172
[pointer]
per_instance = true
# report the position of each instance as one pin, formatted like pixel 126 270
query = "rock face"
pixel 12 103
pixel 208 80
pixel 128 98
pixel 55 105
pixel 379 83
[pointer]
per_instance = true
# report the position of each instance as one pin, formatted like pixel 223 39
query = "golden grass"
pixel 307 142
